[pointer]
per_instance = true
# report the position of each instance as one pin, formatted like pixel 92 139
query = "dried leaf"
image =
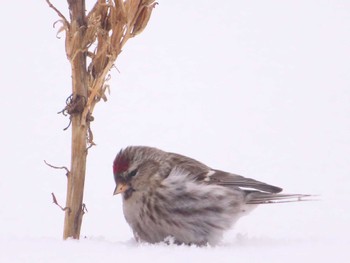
pixel 143 18
pixel 132 8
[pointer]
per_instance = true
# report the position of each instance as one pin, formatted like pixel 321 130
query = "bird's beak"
pixel 121 188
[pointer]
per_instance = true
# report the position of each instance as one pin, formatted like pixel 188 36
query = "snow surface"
pixel 259 88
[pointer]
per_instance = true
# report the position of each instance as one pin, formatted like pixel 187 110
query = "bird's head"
pixel 134 170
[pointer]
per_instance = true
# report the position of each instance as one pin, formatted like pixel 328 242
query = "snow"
pixel 259 88
pixel 53 250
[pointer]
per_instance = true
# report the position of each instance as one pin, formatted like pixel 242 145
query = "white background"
pixel 258 88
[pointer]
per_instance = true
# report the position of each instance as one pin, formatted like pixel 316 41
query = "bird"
pixel 168 196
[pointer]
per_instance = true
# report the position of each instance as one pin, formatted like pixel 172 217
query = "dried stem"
pixel 84 209
pixel 93 42
pixel 54 200
pixel 66 23
pixel 58 167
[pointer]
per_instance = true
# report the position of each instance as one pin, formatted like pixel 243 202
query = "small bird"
pixel 167 195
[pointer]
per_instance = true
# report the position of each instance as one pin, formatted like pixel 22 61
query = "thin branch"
pixel 58 13
pixel 70 122
pixel 58 167
pixel 90 146
pixel 54 200
pixel 84 209
pixel 90 135
pixel 62 28
pixel 114 66
pixel 64 111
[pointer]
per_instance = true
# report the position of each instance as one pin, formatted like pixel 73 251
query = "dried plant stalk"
pixel 93 42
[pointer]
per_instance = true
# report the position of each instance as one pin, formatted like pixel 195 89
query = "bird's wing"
pixel 200 172
pixel 234 180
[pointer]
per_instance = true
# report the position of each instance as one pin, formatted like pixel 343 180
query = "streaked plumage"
pixel 170 195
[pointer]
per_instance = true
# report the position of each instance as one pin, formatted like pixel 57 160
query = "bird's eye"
pixel 132 173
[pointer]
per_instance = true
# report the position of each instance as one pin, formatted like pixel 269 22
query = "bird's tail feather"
pixel 255 197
